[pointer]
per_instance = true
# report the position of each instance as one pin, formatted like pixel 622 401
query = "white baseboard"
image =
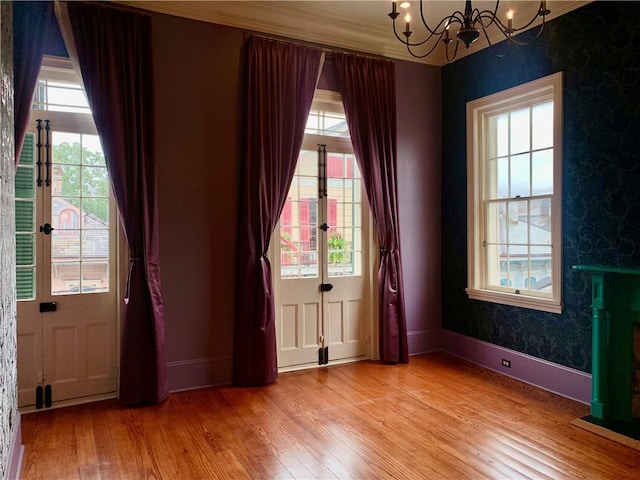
pixel 16 451
pixel 199 373
pixel 555 378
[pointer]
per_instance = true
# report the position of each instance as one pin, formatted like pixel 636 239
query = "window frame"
pixel 537 91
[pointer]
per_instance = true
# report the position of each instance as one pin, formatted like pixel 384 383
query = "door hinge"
pixel 47 158
pixel 39 152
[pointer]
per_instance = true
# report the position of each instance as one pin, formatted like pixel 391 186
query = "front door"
pixel 66 258
pixel 320 267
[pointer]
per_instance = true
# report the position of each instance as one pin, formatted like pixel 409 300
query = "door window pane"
pixel 344 241
pixel 299 221
pixel 80 215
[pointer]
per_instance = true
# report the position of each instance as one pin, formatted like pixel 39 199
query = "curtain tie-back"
pixel 127 288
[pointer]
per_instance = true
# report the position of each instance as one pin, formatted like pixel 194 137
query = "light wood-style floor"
pixel 438 417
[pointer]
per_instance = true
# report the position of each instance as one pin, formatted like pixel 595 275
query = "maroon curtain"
pixel 30 24
pixel 114 52
pixel 368 92
pixel 281 80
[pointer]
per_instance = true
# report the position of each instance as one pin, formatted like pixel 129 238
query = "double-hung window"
pixel 514 149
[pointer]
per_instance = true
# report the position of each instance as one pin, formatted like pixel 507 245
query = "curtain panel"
pixel 280 83
pixel 367 86
pixel 113 47
pixel 30 25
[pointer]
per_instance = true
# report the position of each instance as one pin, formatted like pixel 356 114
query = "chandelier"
pixel 469 25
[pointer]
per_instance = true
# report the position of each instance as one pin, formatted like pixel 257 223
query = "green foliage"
pixel 84 173
pixel 337 246
pixel 285 238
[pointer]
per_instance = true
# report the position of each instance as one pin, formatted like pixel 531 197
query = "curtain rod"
pixel 323 48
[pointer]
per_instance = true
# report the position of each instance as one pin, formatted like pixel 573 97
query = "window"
pixel 326 188
pixel 514 141
pixel 74 194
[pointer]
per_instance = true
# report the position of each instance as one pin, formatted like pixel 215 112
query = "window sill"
pixel 516 300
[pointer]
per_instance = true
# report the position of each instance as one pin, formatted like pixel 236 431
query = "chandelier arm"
pixel 520 42
pixel 429 52
pixel 406 40
pixel 493 48
pixel 457 15
pixel 481 15
pixel 504 31
pixel 502 26
pixel 426 40
pixel 455 52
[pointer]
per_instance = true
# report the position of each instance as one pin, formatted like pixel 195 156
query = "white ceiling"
pixel 361 25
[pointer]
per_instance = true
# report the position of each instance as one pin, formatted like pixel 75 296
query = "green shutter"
pixel 25 216
pixel 25 189
pixel 26 156
pixel 25 250
pixel 25 283
pixel 25 182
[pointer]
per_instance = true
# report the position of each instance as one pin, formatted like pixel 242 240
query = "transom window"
pixel 60 89
pixel 514 171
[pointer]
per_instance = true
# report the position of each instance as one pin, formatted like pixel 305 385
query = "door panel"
pixel 300 322
pixel 29 356
pixel 79 347
pixel 346 334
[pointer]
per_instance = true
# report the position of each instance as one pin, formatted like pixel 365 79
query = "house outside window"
pixel 514 165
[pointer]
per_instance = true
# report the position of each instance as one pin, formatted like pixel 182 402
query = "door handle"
pixel 326 287
pixel 47 228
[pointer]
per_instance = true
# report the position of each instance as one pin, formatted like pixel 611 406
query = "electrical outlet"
pixel 506 363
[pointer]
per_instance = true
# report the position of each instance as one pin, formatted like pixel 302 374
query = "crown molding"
pixel 314 26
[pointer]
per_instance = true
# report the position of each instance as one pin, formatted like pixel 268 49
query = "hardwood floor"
pixel 438 417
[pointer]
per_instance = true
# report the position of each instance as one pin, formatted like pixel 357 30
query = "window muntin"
pixel 514 196
pixel 60 96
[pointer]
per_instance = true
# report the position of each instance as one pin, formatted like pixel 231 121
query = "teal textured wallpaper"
pixel 596 48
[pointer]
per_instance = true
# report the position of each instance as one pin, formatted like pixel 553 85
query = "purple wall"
pixel 198 89
pixel 419 187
